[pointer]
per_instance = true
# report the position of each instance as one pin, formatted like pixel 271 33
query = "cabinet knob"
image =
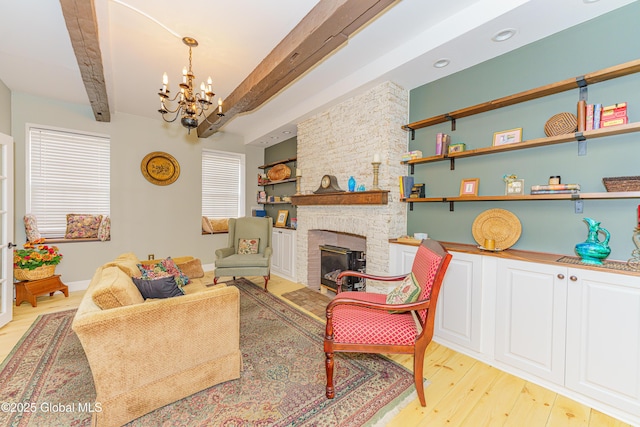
pixel 573 278
pixel 560 276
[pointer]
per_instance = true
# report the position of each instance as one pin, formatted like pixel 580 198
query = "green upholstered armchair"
pixel 231 263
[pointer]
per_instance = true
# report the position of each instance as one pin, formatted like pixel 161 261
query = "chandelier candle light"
pixel 191 104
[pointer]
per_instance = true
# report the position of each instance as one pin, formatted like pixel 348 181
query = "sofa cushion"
pixel 115 289
pixel 192 268
pixel 248 246
pixel 251 260
pixel 82 226
pixel 164 287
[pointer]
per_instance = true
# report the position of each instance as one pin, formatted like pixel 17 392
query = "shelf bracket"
pixel 410 206
pixel 578 206
pixel 450 205
pixel 582 84
pixel 452 120
pixel 413 133
pixel 582 144
pixel 412 169
pixel 452 163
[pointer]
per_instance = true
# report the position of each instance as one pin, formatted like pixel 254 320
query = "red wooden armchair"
pixel 361 322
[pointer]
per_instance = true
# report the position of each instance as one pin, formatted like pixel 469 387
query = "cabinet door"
pixel 401 258
pixel 287 248
pixel 530 318
pixel 603 337
pixel 276 256
pixel 458 312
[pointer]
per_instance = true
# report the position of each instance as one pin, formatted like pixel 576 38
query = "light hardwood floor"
pixel 463 391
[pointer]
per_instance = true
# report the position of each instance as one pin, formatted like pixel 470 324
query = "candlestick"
pixel 376 158
pixel 376 170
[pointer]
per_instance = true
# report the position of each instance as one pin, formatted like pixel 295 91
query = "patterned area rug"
pixel 46 379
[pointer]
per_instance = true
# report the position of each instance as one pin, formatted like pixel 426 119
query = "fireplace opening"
pixel 334 260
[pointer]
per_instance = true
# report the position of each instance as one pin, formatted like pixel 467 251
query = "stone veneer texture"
pixel 342 141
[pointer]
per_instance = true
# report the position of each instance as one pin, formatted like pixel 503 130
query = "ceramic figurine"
pixel 593 251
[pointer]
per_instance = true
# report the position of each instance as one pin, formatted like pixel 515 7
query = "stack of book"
pixel 411 155
pixel 406 184
pixel 555 189
pixel 597 116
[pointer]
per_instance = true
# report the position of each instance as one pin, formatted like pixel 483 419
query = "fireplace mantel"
pixel 372 197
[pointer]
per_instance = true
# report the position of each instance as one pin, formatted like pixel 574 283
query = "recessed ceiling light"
pixel 440 63
pixel 503 35
pixel 287 132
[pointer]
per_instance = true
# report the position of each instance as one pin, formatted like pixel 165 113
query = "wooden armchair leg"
pixel 215 280
pixel 418 369
pixel 266 280
pixel 329 366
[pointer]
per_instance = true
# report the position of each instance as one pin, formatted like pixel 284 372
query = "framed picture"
pixel 507 137
pixel 281 221
pixel 456 148
pixel 515 188
pixel 469 187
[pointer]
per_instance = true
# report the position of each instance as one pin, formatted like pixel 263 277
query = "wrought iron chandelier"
pixel 191 104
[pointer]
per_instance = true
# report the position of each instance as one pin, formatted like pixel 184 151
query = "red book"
pixel 613 113
pixel 614 122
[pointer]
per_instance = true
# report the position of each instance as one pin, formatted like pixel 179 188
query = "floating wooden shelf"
pixel 373 197
pixel 279 162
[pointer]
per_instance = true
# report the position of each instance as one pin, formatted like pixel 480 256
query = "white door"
pixel 6 229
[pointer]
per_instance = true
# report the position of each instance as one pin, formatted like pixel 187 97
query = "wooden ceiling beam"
pixel 82 24
pixel 323 30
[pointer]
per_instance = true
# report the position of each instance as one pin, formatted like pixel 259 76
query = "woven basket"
pixel 622 183
pixel 561 124
pixel 37 273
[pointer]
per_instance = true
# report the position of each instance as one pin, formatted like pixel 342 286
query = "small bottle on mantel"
pixel 554 180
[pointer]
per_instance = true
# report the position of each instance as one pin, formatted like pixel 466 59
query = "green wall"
pixel 549 226
pixel 284 150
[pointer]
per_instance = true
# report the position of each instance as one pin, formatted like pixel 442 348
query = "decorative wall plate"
pixel 160 168
pixel 500 225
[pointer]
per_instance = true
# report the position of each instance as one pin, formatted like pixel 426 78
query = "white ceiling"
pixel 234 36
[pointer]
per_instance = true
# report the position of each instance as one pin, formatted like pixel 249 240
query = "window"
pixel 222 184
pixel 67 172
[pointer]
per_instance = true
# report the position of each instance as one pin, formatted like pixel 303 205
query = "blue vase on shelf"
pixel 593 251
pixel 352 184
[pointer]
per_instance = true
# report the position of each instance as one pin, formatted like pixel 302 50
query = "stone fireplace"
pixel 342 141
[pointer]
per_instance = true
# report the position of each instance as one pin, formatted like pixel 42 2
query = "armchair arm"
pixel 267 252
pixel 225 252
pixel 418 305
pixel 366 276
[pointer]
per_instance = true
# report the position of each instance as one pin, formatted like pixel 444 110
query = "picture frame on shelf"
pixel 456 148
pixel 469 186
pixel 506 137
pixel 514 188
pixel 281 220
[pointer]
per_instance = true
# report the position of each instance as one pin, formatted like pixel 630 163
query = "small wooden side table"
pixel 28 290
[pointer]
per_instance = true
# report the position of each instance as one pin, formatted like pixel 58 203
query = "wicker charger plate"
pixel 561 124
pixel 279 172
pixel 497 224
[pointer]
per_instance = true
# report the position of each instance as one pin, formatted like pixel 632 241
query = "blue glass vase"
pixel 352 184
pixel 593 251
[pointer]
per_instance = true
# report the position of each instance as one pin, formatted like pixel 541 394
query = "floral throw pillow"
pixel 31 228
pixel 104 231
pixel 153 271
pixel 248 246
pixel 408 291
pixel 81 226
pixel 171 268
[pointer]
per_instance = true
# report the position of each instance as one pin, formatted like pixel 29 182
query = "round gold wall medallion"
pixel 160 168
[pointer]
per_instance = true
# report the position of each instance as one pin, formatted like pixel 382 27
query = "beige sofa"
pixel 146 354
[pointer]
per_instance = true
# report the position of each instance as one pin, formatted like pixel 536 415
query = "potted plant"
pixel 35 261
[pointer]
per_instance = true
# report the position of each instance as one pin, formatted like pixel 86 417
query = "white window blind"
pixel 222 184
pixel 67 172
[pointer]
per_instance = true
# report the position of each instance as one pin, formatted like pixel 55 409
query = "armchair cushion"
pixel 164 287
pixel 248 246
pixel 360 325
pixel 408 291
pixel 237 260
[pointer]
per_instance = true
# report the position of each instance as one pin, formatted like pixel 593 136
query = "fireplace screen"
pixel 334 260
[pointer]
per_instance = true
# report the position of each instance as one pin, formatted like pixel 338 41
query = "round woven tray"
pixel 561 124
pixel 279 172
pixel 497 224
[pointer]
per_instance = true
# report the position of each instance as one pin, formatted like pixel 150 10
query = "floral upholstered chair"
pixel 362 322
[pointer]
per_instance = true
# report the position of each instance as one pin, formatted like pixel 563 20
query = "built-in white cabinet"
pixel 531 318
pixel 283 242
pixel 459 310
pixel 573 330
pixel 603 338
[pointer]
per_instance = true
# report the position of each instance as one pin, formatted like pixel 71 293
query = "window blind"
pixel 67 172
pixel 222 184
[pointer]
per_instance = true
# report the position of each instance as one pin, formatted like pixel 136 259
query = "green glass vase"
pixel 593 251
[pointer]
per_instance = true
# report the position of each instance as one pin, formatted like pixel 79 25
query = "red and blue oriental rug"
pixel 282 382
